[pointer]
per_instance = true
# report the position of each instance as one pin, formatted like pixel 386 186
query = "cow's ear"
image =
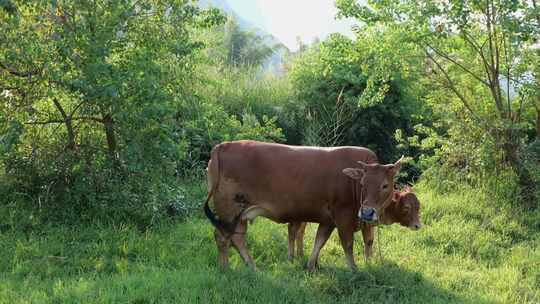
pixel 394 168
pixel 354 173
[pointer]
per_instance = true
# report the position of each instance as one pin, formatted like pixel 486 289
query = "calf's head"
pixel 377 185
pixel 405 209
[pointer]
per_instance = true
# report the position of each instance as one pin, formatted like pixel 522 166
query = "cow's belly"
pixel 289 210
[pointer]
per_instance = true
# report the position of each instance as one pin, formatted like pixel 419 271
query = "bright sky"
pixel 288 19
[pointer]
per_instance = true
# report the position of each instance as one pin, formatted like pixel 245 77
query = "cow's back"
pixel 293 183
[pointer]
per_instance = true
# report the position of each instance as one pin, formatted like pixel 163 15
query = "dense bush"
pixel 345 104
pixel 480 77
pixel 100 113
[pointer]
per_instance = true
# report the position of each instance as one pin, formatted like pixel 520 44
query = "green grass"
pixel 471 250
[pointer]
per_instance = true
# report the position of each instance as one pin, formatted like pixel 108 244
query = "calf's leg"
pixel 323 233
pixel 296 236
pixel 300 231
pixel 291 227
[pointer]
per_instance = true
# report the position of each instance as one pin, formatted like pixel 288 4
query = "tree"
pixel 245 48
pixel 76 63
pixel 478 52
pixel 348 99
pixel 93 87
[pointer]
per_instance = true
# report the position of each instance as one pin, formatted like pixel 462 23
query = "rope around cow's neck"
pixel 381 215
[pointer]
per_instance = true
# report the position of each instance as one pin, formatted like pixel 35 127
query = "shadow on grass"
pixel 386 283
pixel 374 283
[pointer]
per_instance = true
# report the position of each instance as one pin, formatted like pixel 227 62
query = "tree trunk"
pixel 538 123
pixel 108 123
pixel 510 146
pixel 512 158
pixel 69 124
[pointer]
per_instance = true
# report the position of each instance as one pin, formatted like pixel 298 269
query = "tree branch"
pixel 55 121
pixel 452 87
pixel 17 73
pixel 479 49
pixel 47 122
pixel 508 70
pixel 445 56
pixel 68 123
pixel 493 66
pixel 76 108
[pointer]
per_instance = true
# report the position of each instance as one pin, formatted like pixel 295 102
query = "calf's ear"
pixel 354 173
pixel 395 196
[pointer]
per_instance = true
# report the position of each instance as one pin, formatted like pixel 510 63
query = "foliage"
pixel 481 66
pixel 240 48
pixel 112 104
pixel 351 98
pixel 96 103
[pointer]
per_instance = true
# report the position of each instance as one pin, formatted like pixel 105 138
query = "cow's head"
pixel 407 209
pixel 377 184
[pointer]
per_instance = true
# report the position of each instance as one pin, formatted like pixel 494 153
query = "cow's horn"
pixel 363 164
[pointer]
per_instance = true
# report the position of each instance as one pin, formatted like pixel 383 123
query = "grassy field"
pixel 471 250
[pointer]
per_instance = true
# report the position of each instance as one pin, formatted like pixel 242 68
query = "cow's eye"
pixel 385 186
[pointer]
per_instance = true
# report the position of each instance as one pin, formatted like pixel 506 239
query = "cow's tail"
pixel 223 226
pixel 208 212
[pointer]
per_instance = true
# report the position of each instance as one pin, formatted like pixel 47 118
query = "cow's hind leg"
pixel 323 233
pixel 223 244
pixel 239 241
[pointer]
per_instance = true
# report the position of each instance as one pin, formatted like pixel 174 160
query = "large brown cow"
pixel 329 186
pixel 404 209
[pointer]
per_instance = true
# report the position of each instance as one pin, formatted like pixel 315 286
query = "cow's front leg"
pixel 323 233
pixel 368 233
pixel 346 226
pixel 347 242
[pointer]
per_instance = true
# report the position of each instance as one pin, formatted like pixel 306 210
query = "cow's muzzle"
pixel 368 214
